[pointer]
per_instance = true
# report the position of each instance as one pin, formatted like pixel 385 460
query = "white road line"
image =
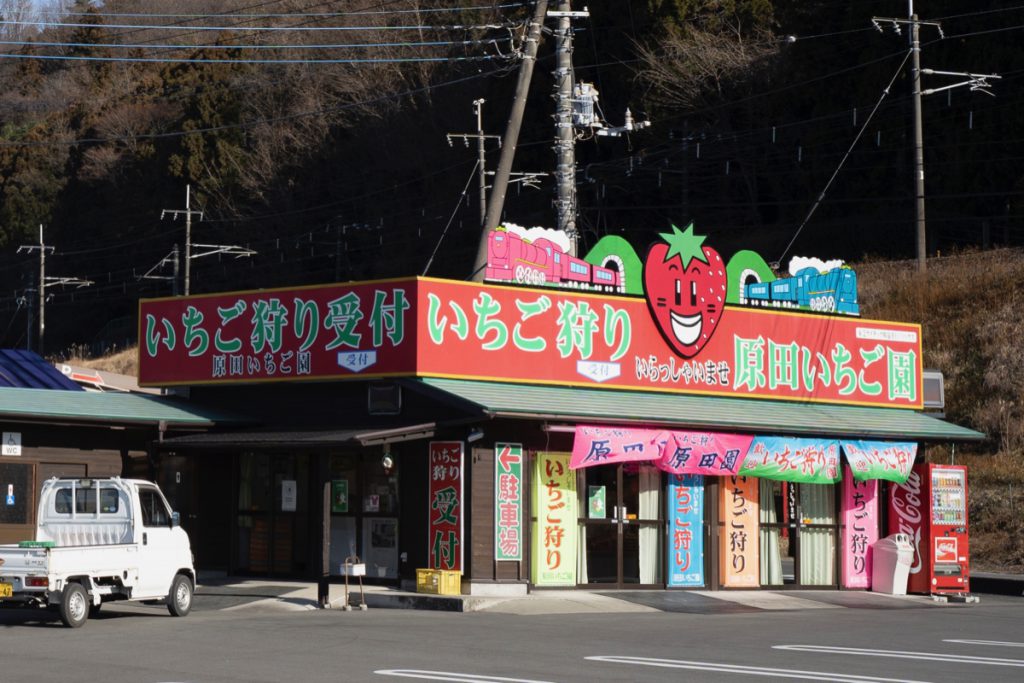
pixel 452 676
pixel 748 670
pixel 902 654
pixel 1000 643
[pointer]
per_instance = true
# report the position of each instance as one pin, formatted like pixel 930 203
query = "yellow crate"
pixel 438 581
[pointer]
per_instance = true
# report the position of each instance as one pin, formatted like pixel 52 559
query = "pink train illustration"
pixel 510 258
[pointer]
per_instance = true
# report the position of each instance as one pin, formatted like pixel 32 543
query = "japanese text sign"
pixel 440 328
pixel 508 501
pixel 446 512
pixel 809 461
pixel 676 452
pixel 737 512
pixel 555 531
pixel 685 548
pixel 860 530
pixel 880 459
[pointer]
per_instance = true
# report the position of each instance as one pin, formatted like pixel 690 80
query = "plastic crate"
pixel 438 581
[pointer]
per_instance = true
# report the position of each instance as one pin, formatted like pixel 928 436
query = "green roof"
pixel 700 412
pixel 51 405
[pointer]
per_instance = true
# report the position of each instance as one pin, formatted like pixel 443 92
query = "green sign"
pixel 596 502
pixel 339 495
pixel 508 501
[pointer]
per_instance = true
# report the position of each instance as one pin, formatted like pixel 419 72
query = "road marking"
pixel 901 654
pixel 452 676
pixel 1000 643
pixel 747 670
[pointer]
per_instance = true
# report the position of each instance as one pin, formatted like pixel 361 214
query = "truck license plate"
pixel 6 590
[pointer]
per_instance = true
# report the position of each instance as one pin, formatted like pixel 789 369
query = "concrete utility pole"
pixel 45 282
pixel 481 149
pixel 511 138
pixel 976 82
pixel 565 136
pixel 187 212
pixel 41 301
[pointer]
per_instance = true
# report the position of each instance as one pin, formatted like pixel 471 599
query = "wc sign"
pixel 11 444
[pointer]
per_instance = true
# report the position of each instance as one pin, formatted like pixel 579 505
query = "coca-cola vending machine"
pixel 931 508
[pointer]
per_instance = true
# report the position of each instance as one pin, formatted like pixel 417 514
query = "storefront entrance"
pixel 798 532
pixel 273 514
pixel 621 527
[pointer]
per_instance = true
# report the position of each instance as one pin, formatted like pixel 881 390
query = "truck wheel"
pixel 179 600
pixel 74 605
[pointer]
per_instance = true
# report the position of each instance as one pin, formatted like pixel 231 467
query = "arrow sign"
pixel 507 458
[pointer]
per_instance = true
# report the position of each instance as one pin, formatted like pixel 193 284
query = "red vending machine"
pixel 931 508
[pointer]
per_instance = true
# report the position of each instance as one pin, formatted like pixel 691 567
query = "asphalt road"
pixel 238 641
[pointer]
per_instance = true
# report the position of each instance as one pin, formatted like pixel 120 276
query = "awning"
pixel 267 439
pixel 573 404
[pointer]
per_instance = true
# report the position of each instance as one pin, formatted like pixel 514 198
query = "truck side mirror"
pixel 175 519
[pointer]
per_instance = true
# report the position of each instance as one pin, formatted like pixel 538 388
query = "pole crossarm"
pixel 229 249
pixel 67 282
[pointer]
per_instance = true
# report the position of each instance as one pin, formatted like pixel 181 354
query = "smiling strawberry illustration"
pixel 685 286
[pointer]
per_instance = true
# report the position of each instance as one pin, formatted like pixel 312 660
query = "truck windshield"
pixel 85 501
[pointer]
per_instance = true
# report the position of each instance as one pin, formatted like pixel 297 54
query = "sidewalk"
pixel 230 593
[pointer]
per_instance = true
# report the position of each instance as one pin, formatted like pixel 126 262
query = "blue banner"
pixel 685 546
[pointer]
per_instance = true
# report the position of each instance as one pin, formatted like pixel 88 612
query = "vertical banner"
pixel 445 515
pixel 860 529
pixel 685 530
pixel 555 531
pixel 508 501
pixel 738 543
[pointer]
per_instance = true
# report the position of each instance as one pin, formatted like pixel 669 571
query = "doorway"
pixel 798 532
pixel 621 527
pixel 273 514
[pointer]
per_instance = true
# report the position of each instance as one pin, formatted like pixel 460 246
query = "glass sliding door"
pixel 621 526
pixel 817 535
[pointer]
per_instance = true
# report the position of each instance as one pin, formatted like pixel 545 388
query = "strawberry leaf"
pixel 685 245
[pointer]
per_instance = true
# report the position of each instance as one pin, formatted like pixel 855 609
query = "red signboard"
pixel 446 502
pixel 440 328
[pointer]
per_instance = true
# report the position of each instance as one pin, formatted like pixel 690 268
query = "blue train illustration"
pixel 834 291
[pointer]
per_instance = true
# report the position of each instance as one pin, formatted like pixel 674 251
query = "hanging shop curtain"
pixel 810 461
pixel 650 504
pixel 889 460
pixel 817 546
pixel 673 451
pixel 771 558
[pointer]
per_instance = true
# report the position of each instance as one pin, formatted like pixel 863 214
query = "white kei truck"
pixel 99 540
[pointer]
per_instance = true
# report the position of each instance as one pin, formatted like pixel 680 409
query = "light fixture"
pixel 475 434
pixel 386 462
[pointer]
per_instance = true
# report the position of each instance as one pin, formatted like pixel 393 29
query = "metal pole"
pixel 511 140
pixel 174 257
pixel 565 135
pixel 915 47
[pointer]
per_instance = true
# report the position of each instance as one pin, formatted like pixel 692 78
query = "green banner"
pixel 508 501
pixel 807 461
pixel 339 495
pixel 555 531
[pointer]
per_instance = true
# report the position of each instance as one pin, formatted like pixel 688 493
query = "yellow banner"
pixel 555 530
pixel 737 512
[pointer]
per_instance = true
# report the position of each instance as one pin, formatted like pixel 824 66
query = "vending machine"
pixel 931 508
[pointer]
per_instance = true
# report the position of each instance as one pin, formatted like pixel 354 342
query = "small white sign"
pixel 12 443
pixel 357 361
pixel 598 371
pixel 289 494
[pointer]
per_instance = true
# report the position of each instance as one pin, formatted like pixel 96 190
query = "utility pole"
pixel 41 305
pixel 565 134
pixel 481 141
pixel 187 212
pixel 976 82
pixel 496 202
pixel 45 282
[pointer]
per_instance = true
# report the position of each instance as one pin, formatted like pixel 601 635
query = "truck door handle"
pixel 145 538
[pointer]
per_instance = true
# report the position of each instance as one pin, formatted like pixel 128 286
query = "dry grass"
pixel 124 362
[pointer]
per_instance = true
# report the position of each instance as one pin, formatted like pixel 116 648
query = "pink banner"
pixel 676 452
pixel 605 445
pixel 860 529
pixel 705 453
